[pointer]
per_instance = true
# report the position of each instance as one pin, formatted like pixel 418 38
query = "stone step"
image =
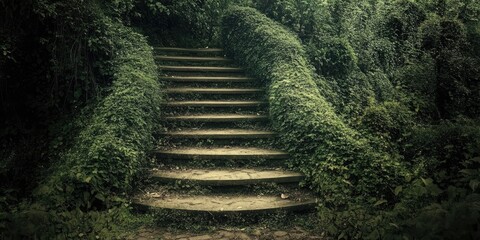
pixel 191 59
pixel 219 118
pixel 200 69
pixel 193 79
pixel 220 134
pixel 215 103
pixel 224 204
pixel 215 90
pixel 189 50
pixel 232 177
pixel 222 153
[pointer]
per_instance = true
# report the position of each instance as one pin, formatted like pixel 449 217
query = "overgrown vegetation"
pixel 395 86
pixel 109 151
pixel 182 22
pixel 92 160
pixel 378 102
pixel 336 159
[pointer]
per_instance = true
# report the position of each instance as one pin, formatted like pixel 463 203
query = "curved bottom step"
pixel 225 204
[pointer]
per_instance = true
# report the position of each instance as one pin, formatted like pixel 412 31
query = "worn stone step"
pixel 189 50
pixel 231 177
pixel 215 90
pixel 219 118
pixel 200 69
pixel 222 153
pixel 219 134
pixel 224 204
pixel 191 59
pixel 215 103
pixel 212 79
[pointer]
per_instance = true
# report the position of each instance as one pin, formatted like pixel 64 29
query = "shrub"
pixel 332 56
pixel 382 86
pixel 193 23
pixel 390 120
pixel 111 148
pixel 438 200
pixel 456 93
pixel 403 19
pixel 339 164
pixel 441 199
pixel 356 93
pixel 439 33
pixel 444 148
pixel 417 81
pixel 301 16
pixel 102 82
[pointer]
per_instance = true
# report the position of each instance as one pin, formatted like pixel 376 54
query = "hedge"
pixel 112 147
pixel 339 164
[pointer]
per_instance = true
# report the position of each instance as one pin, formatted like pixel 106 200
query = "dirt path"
pixel 237 234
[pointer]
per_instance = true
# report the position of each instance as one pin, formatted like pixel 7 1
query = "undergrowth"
pixel 84 191
pixel 339 164
pixel 360 122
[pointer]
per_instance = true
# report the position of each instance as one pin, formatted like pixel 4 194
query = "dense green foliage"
pixel 102 105
pixel 391 39
pixel 338 163
pixel 182 22
pixel 109 151
pixel 385 74
pixel 377 101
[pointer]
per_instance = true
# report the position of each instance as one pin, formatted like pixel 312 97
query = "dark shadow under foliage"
pixel 81 101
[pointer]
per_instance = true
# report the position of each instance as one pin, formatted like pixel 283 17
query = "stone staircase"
pixel 217 137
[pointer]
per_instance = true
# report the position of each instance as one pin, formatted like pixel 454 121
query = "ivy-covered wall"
pixel 339 164
pixel 98 142
pixel 113 145
pixel 342 96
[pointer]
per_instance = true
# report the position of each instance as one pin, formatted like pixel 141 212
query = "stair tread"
pixel 218 71
pixel 206 79
pixel 225 203
pixel 174 49
pixel 216 103
pixel 214 90
pixel 190 58
pixel 200 68
pixel 224 151
pixel 219 117
pixel 223 177
pixel 219 132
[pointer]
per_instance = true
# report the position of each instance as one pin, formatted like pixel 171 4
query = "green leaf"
pixel 380 202
pixel 475 159
pixel 397 190
pixel 474 184
pixel 88 179
pixel 100 197
pixel 408 178
pixel 427 182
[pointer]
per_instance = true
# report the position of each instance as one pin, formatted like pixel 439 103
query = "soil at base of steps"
pixel 237 234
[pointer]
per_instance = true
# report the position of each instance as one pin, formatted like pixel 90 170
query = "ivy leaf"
pixel 474 184
pixel 397 190
pixel 380 202
pixel 475 159
pixel 88 179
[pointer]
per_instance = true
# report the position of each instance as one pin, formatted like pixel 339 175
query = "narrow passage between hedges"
pixel 217 137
